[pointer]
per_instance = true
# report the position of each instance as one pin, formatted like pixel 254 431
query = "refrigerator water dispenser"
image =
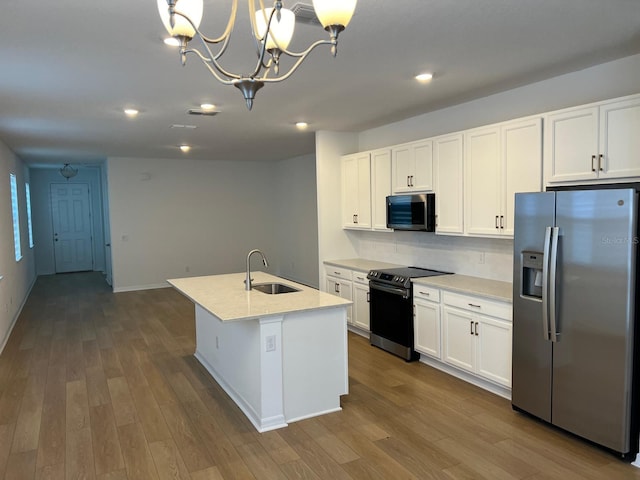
pixel 532 274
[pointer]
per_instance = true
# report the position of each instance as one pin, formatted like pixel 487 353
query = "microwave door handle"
pixel 545 284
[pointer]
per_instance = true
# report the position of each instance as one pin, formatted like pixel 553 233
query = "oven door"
pixel 391 319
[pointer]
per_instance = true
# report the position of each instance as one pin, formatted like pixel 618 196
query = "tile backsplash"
pixel 479 257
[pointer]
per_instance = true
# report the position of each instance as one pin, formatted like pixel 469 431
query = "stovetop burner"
pixel 401 277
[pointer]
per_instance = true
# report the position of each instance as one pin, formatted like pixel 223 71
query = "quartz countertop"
pixel 361 264
pixel 494 289
pixel 225 297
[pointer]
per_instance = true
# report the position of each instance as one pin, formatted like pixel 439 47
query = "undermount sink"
pixel 274 288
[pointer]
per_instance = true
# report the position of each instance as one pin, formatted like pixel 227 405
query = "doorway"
pixel 72 229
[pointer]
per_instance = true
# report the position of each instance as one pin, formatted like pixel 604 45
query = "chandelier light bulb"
pixel 181 28
pixel 281 30
pixel 185 148
pixel 424 77
pixel 131 112
pixel 334 12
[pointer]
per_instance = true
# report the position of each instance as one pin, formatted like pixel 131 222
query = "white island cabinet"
pixel 282 357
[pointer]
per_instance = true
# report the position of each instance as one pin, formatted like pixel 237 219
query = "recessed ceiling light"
pixel 172 42
pixel 130 112
pixel 424 77
pixel 302 125
pixel 185 148
pixel 207 106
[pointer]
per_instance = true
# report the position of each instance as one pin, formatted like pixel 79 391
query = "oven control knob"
pixel 401 279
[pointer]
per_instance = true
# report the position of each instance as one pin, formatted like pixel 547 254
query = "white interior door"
pixel 72 242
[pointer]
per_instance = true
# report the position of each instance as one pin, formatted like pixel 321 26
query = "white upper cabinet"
pixel 380 188
pixel 448 183
pixel 595 142
pixel 482 181
pixel 500 161
pixel 412 167
pixel 356 191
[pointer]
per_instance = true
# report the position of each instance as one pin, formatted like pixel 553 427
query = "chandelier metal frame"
pixel 267 68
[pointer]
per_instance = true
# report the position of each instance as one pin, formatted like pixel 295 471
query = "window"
pixel 27 192
pixel 16 217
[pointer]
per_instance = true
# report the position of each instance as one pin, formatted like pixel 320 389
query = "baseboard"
pixel 135 288
pixel 17 315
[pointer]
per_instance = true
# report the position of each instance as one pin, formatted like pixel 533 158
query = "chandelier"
pixel 272 31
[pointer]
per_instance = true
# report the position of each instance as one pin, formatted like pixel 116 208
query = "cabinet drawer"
pixel 339 272
pixel 478 304
pixel 360 277
pixel 426 293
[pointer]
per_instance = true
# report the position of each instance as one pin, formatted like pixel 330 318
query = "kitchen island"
pixel 282 357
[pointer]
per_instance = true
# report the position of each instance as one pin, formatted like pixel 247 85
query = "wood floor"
pixel 104 386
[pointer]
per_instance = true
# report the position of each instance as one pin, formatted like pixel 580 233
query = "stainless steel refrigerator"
pixel 574 312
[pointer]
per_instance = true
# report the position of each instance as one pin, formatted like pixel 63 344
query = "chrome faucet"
pixel 248 280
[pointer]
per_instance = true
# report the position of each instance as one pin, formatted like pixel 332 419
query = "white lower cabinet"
pixel 468 332
pixel 426 312
pixel 360 301
pixel 476 336
pixel 339 283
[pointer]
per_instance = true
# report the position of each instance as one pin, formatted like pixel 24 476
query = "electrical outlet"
pixel 270 343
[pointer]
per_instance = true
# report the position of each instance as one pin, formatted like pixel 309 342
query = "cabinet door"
pixel 361 305
pixel 356 191
pixel 363 213
pixel 521 165
pixel 571 145
pixel 620 139
pixel 458 338
pixel 422 180
pixel 342 289
pixel 427 328
pixel 482 181
pixel 402 163
pixel 380 188
pixel 494 350
pixel 448 183
pixel 349 190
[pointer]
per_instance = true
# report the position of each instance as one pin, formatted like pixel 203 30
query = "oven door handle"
pixel 393 290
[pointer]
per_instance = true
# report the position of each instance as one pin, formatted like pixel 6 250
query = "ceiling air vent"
pixel 206 113
pixel 305 14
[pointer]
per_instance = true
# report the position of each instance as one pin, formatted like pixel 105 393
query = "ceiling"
pixel 70 67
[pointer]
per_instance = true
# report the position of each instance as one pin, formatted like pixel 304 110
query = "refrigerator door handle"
pixel 545 284
pixel 555 235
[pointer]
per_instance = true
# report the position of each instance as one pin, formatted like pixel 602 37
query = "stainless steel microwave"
pixel 412 212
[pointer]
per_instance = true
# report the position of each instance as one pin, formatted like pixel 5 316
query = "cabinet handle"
pixel 476 329
pixel 471 328
pixel 368 297
pixel 593 163
pixel 497 226
pixel 600 162
pixel 408 181
pixel 502 222
pixel 337 288
pixel 360 278
pixel 355 217
pixel 336 273
pixel 436 217
pixel 425 293
pixel 474 305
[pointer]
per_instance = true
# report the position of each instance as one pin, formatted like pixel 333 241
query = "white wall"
pixel 41 180
pixel 460 255
pixel 179 218
pixel 18 276
pixel 297 219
